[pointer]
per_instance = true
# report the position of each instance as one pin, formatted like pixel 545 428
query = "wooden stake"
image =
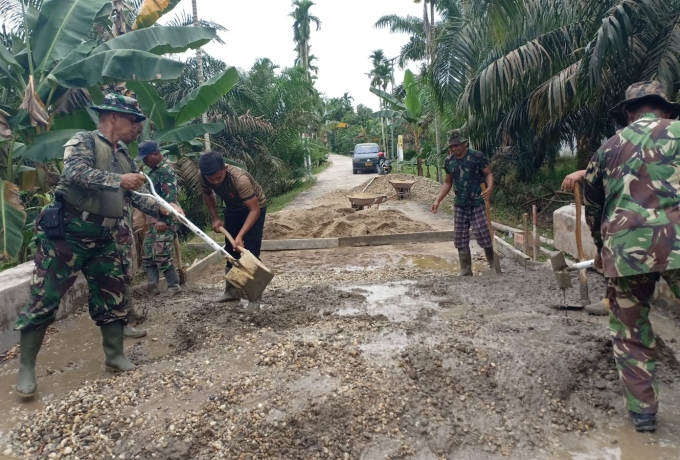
pixel 536 240
pixel 583 274
pixel 496 258
pixel 526 233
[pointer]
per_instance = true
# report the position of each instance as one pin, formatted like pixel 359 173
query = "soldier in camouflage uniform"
pixel 125 241
pixel 158 244
pixel 631 197
pixel 78 233
pixel 465 171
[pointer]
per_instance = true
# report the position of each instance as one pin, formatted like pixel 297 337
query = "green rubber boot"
pixel 152 279
pixel 465 257
pixel 172 278
pixel 112 340
pixel 254 305
pixel 230 292
pixel 30 343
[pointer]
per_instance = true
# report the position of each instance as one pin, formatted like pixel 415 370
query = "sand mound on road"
pixel 332 222
pixel 423 190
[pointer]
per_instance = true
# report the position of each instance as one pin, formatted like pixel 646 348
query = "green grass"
pixel 319 169
pixel 279 202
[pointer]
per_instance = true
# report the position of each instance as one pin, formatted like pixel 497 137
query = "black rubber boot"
pixel 230 292
pixel 489 256
pixel 112 340
pixel 152 278
pixel 643 422
pixel 172 278
pixel 254 305
pixel 465 257
pixel 30 343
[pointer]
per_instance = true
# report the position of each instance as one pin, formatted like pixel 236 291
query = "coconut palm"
pixel 381 76
pixel 302 29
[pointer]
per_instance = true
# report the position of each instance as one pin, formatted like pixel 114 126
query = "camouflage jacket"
pixel 631 198
pixel 466 174
pixel 79 169
pixel 164 180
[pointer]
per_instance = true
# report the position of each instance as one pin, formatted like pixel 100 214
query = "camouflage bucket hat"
pixel 456 138
pixel 644 89
pixel 120 104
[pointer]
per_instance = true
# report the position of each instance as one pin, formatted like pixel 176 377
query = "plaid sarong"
pixel 475 217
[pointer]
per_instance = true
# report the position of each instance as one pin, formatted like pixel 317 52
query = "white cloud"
pixel 259 29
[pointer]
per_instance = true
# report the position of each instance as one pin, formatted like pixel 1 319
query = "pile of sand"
pixel 332 222
pixel 424 189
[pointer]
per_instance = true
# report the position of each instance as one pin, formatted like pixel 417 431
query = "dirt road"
pixel 337 176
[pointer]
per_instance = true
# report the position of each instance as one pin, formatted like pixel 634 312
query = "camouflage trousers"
pixel 87 248
pixel 632 336
pixel 158 248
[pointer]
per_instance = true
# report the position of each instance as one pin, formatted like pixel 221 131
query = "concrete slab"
pixel 308 243
pixel 564 226
pixel 14 295
pixel 397 238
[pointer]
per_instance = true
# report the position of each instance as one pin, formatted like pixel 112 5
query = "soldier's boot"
pixel 30 343
pixel 600 308
pixel 465 257
pixel 230 292
pixel 254 305
pixel 130 332
pixel 112 341
pixel 643 422
pixel 172 278
pixel 152 279
pixel 489 256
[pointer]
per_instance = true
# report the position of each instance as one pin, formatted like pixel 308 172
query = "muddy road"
pixel 359 353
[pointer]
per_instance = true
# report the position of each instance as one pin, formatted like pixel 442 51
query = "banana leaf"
pixel 151 11
pixel 12 219
pixel 152 104
pixel 114 66
pixel 388 97
pixel 161 40
pixel 47 146
pixel 81 119
pixel 62 26
pixel 198 101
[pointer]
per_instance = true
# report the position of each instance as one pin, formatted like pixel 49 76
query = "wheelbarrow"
pixel 362 200
pixel 402 187
pixel 248 274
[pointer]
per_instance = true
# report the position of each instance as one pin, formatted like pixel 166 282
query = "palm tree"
pixel 302 29
pixel 380 76
pixel 529 75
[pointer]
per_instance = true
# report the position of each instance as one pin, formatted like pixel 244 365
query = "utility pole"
pixel 199 68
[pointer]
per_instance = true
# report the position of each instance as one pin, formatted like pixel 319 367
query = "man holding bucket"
pixel 245 207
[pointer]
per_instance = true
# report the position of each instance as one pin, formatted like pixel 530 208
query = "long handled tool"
pixel 178 262
pixel 583 273
pixel 251 282
pixel 496 259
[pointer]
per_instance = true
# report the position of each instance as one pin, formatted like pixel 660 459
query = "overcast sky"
pixel 259 29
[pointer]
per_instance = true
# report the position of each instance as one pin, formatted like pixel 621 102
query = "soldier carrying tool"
pixel 631 197
pixel 78 233
pixel 158 244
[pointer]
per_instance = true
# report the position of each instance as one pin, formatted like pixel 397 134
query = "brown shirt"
pixel 238 186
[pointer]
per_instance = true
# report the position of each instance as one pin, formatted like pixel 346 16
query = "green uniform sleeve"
pixel 593 192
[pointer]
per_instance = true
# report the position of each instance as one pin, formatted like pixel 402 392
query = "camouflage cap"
pixel 121 104
pixel 456 138
pixel 644 89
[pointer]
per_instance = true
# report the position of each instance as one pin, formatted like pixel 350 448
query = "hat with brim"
pixel 120 104
pixel 456 138
pixel 650 90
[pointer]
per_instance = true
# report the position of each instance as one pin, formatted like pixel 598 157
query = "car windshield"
pixel 365 149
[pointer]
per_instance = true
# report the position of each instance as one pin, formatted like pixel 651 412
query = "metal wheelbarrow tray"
pixel 402 187
pixel 361 200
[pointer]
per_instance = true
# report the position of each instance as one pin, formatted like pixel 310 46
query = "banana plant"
pixel 410 110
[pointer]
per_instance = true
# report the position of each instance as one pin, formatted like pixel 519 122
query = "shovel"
pixel 496 259
pixel 243 277
pixel 252 277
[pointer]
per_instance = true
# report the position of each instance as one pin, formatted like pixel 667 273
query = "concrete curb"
pixel 509 251
pixel 366 240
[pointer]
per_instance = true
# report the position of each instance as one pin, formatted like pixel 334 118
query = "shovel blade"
pixel 250 276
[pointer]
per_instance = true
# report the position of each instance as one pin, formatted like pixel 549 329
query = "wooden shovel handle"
pixel 579 243
pixel 487 207
pixel 241 249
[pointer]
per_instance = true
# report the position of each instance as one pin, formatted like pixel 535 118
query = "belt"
pixel 91 218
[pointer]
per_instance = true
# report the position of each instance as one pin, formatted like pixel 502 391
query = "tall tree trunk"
pixel 382 125
pixel 199 70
